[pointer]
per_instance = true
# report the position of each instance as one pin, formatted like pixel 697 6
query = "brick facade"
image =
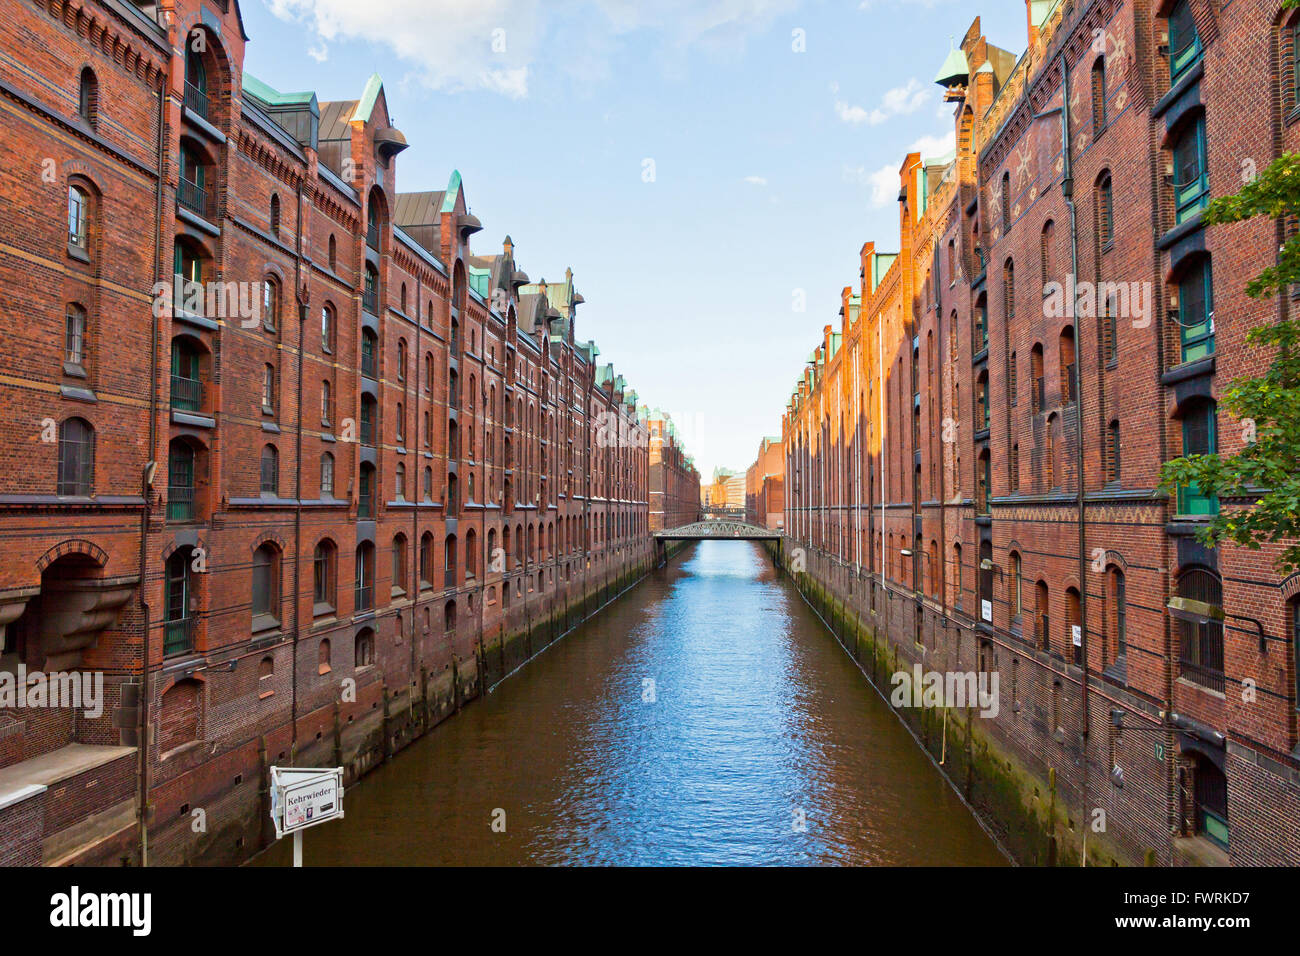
pixel 972 468
pixel 362 474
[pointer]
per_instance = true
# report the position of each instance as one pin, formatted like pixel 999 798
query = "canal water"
pixel 706 717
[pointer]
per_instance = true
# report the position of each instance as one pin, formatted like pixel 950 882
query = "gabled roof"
pixel 417 209
pixel 334 118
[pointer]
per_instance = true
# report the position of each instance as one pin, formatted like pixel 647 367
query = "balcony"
pixel 187 393
pixel 180 502
pixel 363 597
pixel 369 366
pixel 196 101
pixel 370 301
pixel 449 577
pixel 178 636
pixel 372 236
pixel 194 197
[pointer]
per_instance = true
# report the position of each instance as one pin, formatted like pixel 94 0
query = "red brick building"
pixel 297 503
pixel 764 493
pixel 674 480
pixel 973 453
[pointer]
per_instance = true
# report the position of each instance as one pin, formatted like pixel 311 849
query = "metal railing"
pixel 196 100
pixel 370 301
pixel 364 597
pixel 193 197
pixel 180 502
pixel 178 636
pixel 187 393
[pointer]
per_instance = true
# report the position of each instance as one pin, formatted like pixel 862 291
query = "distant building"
pixel 764 486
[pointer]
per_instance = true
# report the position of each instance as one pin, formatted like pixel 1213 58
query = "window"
pixel 1196 311
pixel 192 191
pixel 178 620
pixel 1073 626
pixel 1041 618
pixel 88 97
pixel 333 254
pixel 364 648
pixel 364 589
pixel 366 492
pixel 324 576
pixel 369 412
pixel 327 475
pixel 1016 599
pixel 268 389
pixel 369 354
pixel 1184 42
pixel 401 357
pixel 1191 175
pixel 1105 213
pixel 78 218
pixel 1110 332
pixel 270 303
pixel 399 426
pixel 76 458
pixel 1117 619
pixel 983 477
pixel 74 335
pixel 981 326
pixel 180 481
pixel 1036 374
pixel 428 483
pixel 399 563
pixel 326 402
pixel 1066 357
pixel 1049 453
pixel 428 371
pixel 1200 635
pixel 327 325
pixel 426 560
pixel 982 402
pixel 1012 377
pixel 1045 252
pixel 370 294
pixel 1199 438
pixel 399 481
pixel 266 586
pixel 1112 452
pixel 196 83
pixel 1014 469
pixel 1005 201
pixel 1098 96
pixel 270 484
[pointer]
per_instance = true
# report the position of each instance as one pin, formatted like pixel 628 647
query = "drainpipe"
pixel 1067 190
pixel 297 488
pixel 142 808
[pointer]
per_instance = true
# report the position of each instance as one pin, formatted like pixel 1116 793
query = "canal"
pixel 706 717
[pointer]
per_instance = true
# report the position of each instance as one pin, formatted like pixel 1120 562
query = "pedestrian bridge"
pixel 718 528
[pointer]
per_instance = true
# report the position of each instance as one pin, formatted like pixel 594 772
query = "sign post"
pixel 302 798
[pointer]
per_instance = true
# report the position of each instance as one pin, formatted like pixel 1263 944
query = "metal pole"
pixel 297 848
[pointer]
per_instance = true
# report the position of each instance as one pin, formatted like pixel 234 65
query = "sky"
pixel 709 169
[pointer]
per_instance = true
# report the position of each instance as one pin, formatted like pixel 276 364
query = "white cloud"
pixel 899 101
pixel 884 182
pixel 884 185
pixel 755 180
pixel 497 45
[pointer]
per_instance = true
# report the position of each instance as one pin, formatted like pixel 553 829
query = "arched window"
pixel 327 326
pixel 363 648
pixel 1036 395
pixel 1191 170
pixel 180 715
pixel 1047 251
pixel 401 360
pixel 324 577
pixel 1098 96
pixel 399 482
pixel 268 389
pixel 369 419
pixel 471 553
pixel 1200 627
pixel 1112 452
pixel 74 336
pixel 1105 212
pixel 275 214
pixel 426 560
pixel 1041 617
pixel 88 97
pixel 369 354
pixel 1194 302
pixel 78 218
pixel 1017 598
pixel 323 662
pixel 1013 469
pixel 399 572
pixel 370 293
pixel 984 481
pixel 270 474
pixel 428 483
pixel 266 587
pixel 333 254
pixel 449 616
pixel 1073 626
pixel 326 402
pixel 76 458
pixel 196 82
pixel 399 425
pixel 327 475
pixel 428 371
pixel 1200 437
pixel 1005 201
pixel 1116 614
pixel 270 303
pixel 1050 469
pixel 449 558
pixel 178 615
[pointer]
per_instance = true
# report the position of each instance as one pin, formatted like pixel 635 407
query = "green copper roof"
pixel 453 190
pixel 955 69
pixel 368 98
pixel 273 97
pixel 479 280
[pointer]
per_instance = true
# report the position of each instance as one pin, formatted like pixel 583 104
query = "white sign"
pixel 302 798
pixel 1077 633
pixel 986 610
